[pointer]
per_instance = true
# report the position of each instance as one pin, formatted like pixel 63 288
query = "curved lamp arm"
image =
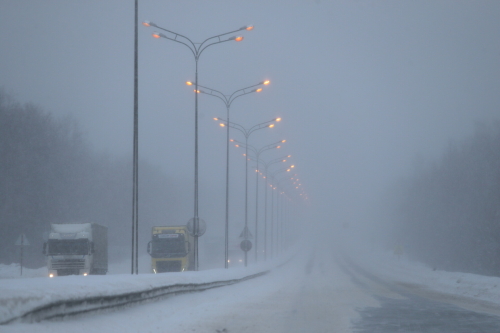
pixel 247 132
pixel 192 46
pixel 228 99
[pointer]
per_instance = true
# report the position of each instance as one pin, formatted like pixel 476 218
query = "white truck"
pixel 77 249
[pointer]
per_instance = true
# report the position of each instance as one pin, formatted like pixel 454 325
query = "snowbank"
pixel 400 269
pixel 13 271
pixel 18 296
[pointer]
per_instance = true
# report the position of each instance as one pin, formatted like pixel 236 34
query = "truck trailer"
pixel 77 249
pixel 171 249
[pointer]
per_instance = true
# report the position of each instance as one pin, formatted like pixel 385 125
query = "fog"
pixel 368 92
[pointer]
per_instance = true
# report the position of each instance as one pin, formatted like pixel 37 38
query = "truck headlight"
pixel 51 275
pixel 84 274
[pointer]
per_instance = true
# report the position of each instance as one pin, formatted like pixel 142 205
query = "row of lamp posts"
pixel 246 133
pixel 197 49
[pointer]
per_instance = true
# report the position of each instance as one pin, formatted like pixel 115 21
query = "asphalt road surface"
pixel 416 309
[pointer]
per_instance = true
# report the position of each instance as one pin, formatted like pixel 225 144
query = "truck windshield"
pixel 169 247
pixel 68 246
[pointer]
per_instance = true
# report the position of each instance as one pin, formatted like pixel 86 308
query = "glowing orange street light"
pixel 197 49
pixel 258 172
pixel 258 90
pixel 246 133
pixel 277 119
pixel 266 82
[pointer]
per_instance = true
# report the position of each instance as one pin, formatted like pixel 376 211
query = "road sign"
pixel 246 245
pixel 246 234
pixel 202 227
pixel 22 240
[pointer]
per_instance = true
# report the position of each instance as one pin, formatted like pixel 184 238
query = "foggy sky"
pixel 362 86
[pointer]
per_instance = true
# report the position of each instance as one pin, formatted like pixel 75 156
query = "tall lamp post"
pixel 196 49
pixel 246 133
pixel 135 158
pixel 257 153
pixel 266 167
pixel 278 207
pixel 228 100
pixel 285 212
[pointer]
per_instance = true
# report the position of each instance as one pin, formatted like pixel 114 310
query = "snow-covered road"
pixel 281 301
pixel 316 292
pixel 277 302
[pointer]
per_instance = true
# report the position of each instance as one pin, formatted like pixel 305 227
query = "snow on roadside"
pixel 400 269
pixel 13 271
pixel 18 296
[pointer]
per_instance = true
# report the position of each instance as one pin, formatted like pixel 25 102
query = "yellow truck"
pixel 171 249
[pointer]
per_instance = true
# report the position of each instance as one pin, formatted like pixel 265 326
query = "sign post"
pixel 246 244
pixel 196 227
pixel 22 241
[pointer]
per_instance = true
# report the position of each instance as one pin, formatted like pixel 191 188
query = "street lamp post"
pixel 257 153
pixel 196 49
pixel 228 100
pixel 266 167
pixel 246 133
pixel 279 216
pixel 135 157
pixel 286 223
pixel 281 219
pixel 294 211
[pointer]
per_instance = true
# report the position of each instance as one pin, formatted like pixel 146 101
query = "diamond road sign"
pixel 246 234
pixel 202 227
pixel 22 240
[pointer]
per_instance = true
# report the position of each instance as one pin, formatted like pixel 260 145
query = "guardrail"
pixel 83 305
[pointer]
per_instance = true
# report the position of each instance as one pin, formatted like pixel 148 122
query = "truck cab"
pixel 76 249
pixel 171 250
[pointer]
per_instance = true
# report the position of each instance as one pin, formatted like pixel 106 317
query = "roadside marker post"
pixel 22 241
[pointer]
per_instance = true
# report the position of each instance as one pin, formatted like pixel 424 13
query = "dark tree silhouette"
pixel 49 174
pixel 449 214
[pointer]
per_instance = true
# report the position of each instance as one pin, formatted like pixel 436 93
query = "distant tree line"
pixel 449 214
pixel 49 174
